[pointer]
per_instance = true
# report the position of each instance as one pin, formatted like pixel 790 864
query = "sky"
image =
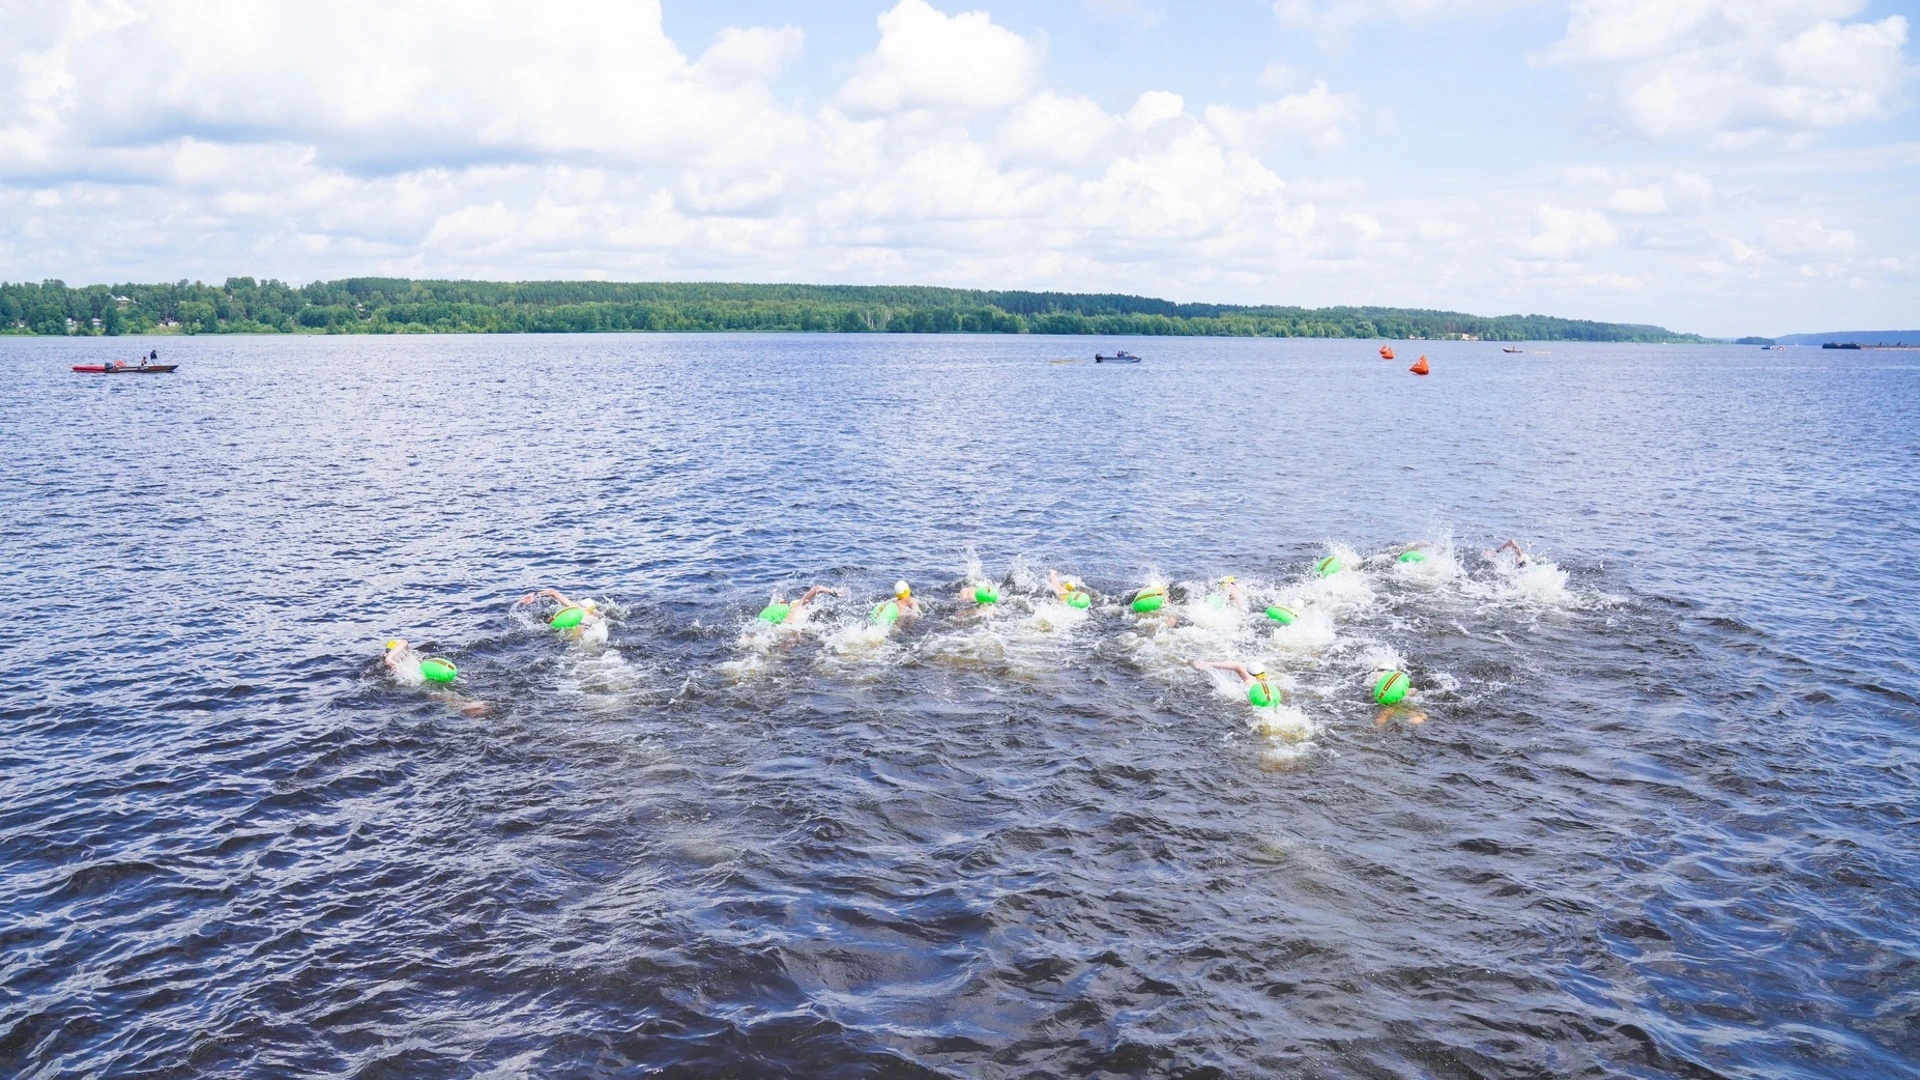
pixel 1722 167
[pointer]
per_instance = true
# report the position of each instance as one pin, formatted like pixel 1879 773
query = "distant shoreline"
pixel 405 306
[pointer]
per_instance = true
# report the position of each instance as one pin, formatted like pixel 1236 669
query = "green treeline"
pixel 401 306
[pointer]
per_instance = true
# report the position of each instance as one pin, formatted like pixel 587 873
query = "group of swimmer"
pixel 584 621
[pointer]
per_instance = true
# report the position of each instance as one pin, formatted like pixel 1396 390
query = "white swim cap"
pixel 1256 670
pixel 901 588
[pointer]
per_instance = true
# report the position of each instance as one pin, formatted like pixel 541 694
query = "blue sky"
pixel 1720 166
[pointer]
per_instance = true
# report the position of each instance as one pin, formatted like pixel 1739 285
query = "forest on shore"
pixel 243 305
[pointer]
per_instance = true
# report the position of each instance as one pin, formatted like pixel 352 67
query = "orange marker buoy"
pixel 1386 352
pixel 1419 366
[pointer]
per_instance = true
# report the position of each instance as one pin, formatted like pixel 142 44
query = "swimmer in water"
pixel 1153 601
pixel 902 606
pixel 1069 591
pixel 1394 706
pixel 1261 693
pixel 792 614
pixel 1230 593
pixel 1519 555
pixel 591 622
pixel 405 664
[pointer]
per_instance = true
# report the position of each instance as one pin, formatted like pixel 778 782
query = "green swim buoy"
pixel 1150 602
pixel 985 595
pixel 886 614
pixel 436 669
pixel 1328 566
pixel 1079 600
pixel 1413 556
pixel 568 618
pixel 1281 615
pixel 1262 696
pixel 1392 688
pixel 775 613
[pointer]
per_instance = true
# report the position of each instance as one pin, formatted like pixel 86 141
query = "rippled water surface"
pixel 1651 811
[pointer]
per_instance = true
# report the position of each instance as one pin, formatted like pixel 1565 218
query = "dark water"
pixel 1660 819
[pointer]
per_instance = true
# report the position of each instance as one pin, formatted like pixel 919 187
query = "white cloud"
pixel 1737 71
pixel 1334 21
pixel 1808 238
pixel 392 81
pixel 1050 128
pixel 754 54
pixel 1318 116
pixel 929 60
pixel 1155 107
pixel 1651 199
pixel 1564 233
pixel 1364 226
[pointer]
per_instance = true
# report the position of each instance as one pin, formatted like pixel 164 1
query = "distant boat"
pixel 1510 348
pixel 125 369
pixel 1840 345
pixel 1121 357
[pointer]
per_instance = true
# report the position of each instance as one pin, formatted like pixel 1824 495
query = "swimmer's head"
pixel 1228 580
pixel 589 605
pixel 1258 671
pixel 902 589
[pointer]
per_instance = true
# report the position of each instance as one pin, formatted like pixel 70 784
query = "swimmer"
pixel 1230 594
pixel 1393 691
pixel 780 612
pixel 1519 555
pixel 1152 600
pixel 591 622
pixel 903 605
pixel 409 667
pixel 1261 693
pixel 1069 591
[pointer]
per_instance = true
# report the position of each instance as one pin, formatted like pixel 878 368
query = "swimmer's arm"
pixel 1234 666
pixel 808 596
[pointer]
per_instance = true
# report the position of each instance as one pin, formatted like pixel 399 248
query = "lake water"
pixel 1659 820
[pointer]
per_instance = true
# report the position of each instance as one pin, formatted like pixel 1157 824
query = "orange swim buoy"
pixel 1419 366
pixel 1386 352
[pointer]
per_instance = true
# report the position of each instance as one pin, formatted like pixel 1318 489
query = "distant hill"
pixel 1857 337
pixel 402 306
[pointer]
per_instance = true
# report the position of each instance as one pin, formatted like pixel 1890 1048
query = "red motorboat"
pixel 125 369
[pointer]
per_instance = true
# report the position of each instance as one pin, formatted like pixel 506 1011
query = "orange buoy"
pixel 1419 366
pixel 1386 352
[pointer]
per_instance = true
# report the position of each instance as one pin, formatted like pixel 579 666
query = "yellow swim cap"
pixel 393 644
pixel 1228 580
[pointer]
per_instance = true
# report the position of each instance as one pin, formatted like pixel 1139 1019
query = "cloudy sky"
pixel 1719 166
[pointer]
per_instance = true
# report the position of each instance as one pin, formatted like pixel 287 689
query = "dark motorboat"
pixel 1513 350
pixel 1121 357
pixel 125 369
